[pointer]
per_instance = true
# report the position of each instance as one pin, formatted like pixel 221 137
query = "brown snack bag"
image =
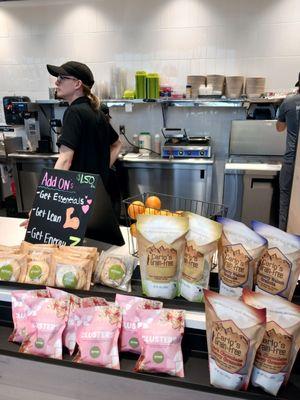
pixel 81 251
pixel 72 273
pixel 12 267
pixel 9 249
pixel 277 353
pixel 239 252
pixel 161 243
pixel 279 267
pixel 26 246
pixel 39 266
pixel 234 331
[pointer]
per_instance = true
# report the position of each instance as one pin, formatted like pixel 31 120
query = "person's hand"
pixel 25 223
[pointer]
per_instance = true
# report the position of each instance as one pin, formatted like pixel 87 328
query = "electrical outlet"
pixel 122 129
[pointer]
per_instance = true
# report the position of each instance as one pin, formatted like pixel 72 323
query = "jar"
pixel 152 86
pixel 144 143
pixel 188 91
pixel 157 143
pixel 140 84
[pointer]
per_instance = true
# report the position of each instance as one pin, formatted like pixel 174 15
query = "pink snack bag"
pixel 47 321
pixel 75 302
pixel 160 337
pixel 131 322
pixel 21 306
pixel 97 336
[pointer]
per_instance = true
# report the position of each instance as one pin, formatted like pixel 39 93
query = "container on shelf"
pixel 255 86
pixel 140 84
pixel 188 91
pixel 129 94
pixel 152 86
pixel 157 143
pixel 217 82
pixel 234 86
pixel 196 81
pixel 145 143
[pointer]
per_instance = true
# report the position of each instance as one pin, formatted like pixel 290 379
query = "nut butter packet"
pixel 12 267
pixel 161 243
pixel 47 320
pixel 82 252
pixel 234 331
pixel 239 251
pixel 39 269
pixel 72 273
pixel 131 323
pixel 201 245
pixel 277 353
pixel 160 337
pixel 97 336
pixel 279 267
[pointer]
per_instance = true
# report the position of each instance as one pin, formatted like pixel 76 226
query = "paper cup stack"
pixel 195 81
pixel 234 86
pixel 217 83
pixel 255 86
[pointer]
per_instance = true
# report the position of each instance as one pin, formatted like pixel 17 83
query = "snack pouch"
pixel 201 245
pixel 47 320
pixel 72 273
pixel 115 270
pixel 80 251
pixel 97 336
pixel 161 243
pixel 277 353
pixel 9 249
pixel 21 301
pixel 131 323
pixel 279 267
pixel 239 251
pixel 75 303
pixel 12 267
pixel 160 337
pixel 234 331
pixel 39 269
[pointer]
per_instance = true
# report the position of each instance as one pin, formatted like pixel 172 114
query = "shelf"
pixel 204 102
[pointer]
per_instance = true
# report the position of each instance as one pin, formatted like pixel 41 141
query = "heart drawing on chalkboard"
pixel 89 201
pixel 85 208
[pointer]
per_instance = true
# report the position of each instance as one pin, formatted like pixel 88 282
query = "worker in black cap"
pixel 87 142
pixel 288 118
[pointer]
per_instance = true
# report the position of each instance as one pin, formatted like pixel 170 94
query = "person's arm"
pixel 280 126
pixel 65 158
pixel 115 149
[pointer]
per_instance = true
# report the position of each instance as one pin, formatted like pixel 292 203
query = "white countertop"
pixel 253 166
pixel 12 234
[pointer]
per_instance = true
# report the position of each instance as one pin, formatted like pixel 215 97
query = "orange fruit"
pixel 133 230
pixel 135 208
pixel 153 202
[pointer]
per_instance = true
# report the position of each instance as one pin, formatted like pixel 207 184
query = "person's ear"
pixel 78 84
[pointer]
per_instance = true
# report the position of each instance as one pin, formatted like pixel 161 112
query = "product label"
pixel 161 262
pixel 229 346
pixel 235 269
pixel 274 352
pixel 273 271
pixel 193 263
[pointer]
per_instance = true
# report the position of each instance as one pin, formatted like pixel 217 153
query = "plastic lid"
pixel 141 73
pixel 144 133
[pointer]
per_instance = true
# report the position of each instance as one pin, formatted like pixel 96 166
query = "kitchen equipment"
pixel 255 86
pixel 179 145
pixel 234 86
pixel 140 84
pixel 152 86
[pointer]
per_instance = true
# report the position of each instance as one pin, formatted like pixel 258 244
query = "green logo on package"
pixel 35 272
pixel 116 272
pixel 39 343
pixel 134 343
pixel 158 357
pixel 69 280
pixel 6 272
pixel 95 352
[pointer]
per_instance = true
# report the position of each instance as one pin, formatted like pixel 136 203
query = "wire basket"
pixel 170 204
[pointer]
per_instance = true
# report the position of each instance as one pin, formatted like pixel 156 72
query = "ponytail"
pixel 94 100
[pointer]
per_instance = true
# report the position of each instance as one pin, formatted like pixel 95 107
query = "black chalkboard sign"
pixel 62 206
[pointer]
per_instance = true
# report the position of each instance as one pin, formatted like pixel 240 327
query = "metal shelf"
pixel 205 102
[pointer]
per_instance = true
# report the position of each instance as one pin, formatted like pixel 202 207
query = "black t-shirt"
pixel 89 134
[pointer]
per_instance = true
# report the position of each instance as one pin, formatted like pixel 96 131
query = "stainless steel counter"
pixel 26 155
pixel 139 158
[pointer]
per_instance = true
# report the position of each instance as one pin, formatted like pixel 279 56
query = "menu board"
pixel 62 206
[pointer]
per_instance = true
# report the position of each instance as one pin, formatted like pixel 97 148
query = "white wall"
pixel 172 37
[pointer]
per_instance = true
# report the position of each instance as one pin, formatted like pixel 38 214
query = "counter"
pixel 153 158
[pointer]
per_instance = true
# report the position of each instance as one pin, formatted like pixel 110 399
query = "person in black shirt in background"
pixel 288 118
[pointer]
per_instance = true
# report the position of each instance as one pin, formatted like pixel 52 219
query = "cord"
pixel 136 147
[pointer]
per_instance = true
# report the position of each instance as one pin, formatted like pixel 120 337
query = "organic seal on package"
pixel 47 320
pixel 201 245
pixel 72 273
pixel 160 337
pixel 234 331
pixel 12 267
pixel 97 336
pixel 161 243
pixel 239 252
pixel 131 323
pixel 279 267
pixel 277 353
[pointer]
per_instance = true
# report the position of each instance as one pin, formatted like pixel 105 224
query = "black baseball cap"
pixel 298 83
pixel 73 68
pixel 105 109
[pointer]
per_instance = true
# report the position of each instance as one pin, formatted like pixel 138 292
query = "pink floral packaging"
pixel 131 322
pixel 97 334
pixel 75 302
pixel 160 338
pixel 21 308
pixel 47 320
